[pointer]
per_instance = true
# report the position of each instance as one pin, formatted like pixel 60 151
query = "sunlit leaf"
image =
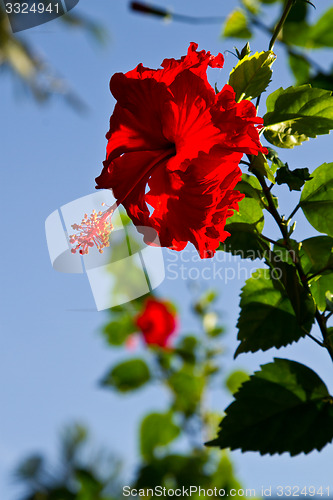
pixel 252 75
pixel 236 25
pixel 235 380
pixel 317 199
pixel 297 113
pixel 252 6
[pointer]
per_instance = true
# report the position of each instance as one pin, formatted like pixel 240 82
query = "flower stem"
pixel 276 32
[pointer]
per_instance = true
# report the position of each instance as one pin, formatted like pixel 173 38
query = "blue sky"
pixel 52 353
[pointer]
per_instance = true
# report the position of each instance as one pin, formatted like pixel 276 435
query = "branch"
pixel 303 278
pixel 293 213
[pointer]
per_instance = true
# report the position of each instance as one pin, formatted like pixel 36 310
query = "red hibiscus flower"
pixel 157 322
pixel 171 133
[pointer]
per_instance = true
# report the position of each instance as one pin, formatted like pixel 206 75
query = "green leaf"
pixel 273 156
pixel 296 33
pixel 127 376
pixel 298 12
pixel 253 6
pixel 267 318
pixel 282 254
pixel 235 380
pixel 252 75
pixel 259 163
pixel 250 209
pixel 178 470
pixel 245 226
pixel 316 257
pixel 300 298
pixel 321 33
pixel 284 407
pixel 250 186
pixel 236 25
pixel 118 330
pixel 157 429
pixel 294 179
pixel 316 254
pixel 329 301
pixel 319 288
pixel 205 302
pixel 90 486
pixel 224 476
pixel 296 29
pixel 297 113
pixel 317 199
pixel 300 67
pixel 243 241
pixel 186 349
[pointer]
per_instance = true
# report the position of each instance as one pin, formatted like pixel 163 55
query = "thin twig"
pixel 303 278
pixel 273 242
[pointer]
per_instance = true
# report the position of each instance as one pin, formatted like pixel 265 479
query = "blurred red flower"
pixel 156 322
pixel 171 132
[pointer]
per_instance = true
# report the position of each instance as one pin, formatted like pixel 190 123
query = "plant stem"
pixel 315 340
pixel 309 278
pixel 293 212
pixel 276 32
pixel 280 24
pixel 283 228
pixel 272 241
pixel 291 51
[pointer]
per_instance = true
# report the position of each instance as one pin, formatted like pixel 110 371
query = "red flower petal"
pixel 169 131
pixel 156 322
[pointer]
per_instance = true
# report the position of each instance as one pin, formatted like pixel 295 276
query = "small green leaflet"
pixel 297 113
pixel 284 407
pixel 321 33
pixel 252 75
